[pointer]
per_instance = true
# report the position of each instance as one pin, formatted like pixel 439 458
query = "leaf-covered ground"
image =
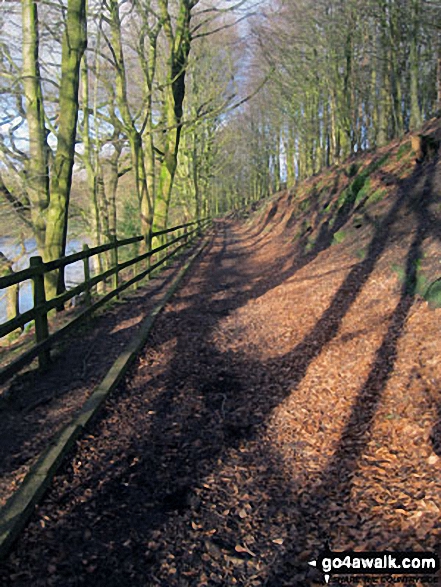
pixel 35 406
pixel 284 401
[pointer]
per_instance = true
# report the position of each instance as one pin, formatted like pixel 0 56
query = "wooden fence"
pixel 181 235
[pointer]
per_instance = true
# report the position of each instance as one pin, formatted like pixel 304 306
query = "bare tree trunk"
pixel 134 136
pixel 415 110
pixel 289 151
pixel 438 77
pixel 37 172
pixel 179 41
pixel 73 47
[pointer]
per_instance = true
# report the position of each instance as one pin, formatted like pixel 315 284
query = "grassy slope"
pixel 346 206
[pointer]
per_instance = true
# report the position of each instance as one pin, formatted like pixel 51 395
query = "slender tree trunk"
pixel 168 165
pixel 384 113
pixel 179 41
pixel 289 150
pixel 415 110
pixel 195 174
pixel 112 187
pixel 334 132
pixel 373 108
pixel 73 47
pixel 395 73
pixel 277 169
pixel 134 136
pixel 89 158
pixel 38 171
pixel 438 77
pixel 148 202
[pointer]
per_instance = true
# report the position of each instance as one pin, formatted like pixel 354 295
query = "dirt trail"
pixel 279 404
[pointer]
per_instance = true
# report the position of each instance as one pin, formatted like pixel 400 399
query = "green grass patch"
pixel 304 205
pixel 13 336
pixel 358 183
pixel 339 236
pixel 329 207
pixel 377 196
pixel 377 163
pixel 309 245
pixel 364 191
pixel 404 173
pixel 344 197
pixel 433 294
pixel 298 235
pixel 29 326
pixel 358 220
pixel 304 226
pixel 421 284
pixel 403 150
pixel 360 186
pixel 352 170
pixel 332 221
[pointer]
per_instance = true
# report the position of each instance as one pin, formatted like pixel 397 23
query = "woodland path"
pixel 279 404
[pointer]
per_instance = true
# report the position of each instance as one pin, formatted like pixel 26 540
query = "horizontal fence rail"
pixel 186 233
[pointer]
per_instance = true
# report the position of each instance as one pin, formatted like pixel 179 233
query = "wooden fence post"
pixel 148 247
pixel 135 267
pixel 12 295
pixel 41 325
pixel 165 252
pixel 86 264
pixel 115 280
pixel 178 235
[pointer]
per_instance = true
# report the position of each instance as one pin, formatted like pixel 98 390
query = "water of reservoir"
pixel 74 274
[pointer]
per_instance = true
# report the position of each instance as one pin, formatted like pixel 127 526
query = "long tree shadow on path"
pixel 198 410
pixel 333 488
pixel 26 429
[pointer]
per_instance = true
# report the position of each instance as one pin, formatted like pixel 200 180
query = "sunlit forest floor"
pixel 289 397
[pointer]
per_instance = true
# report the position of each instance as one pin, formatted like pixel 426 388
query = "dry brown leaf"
pixel 278 541
pixel 244 549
